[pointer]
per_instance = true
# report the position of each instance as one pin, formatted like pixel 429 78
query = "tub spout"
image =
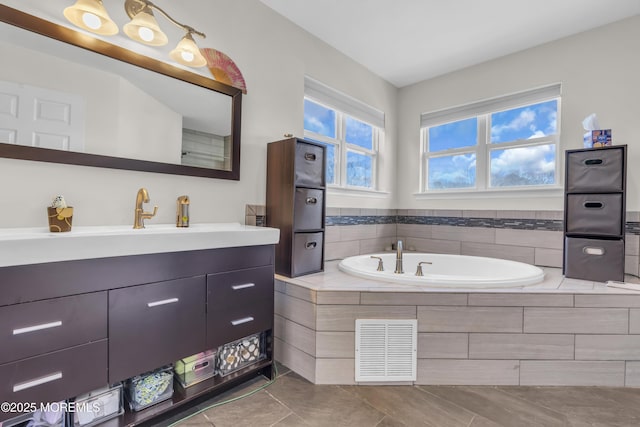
pixel 399 269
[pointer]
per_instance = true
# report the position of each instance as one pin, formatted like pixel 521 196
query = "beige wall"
pixel 599 72
pixel 273 55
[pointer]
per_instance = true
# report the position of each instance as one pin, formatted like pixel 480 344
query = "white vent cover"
pixel 386 349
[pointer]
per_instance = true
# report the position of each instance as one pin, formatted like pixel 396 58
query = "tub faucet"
pixel 399 269
pixel 140 214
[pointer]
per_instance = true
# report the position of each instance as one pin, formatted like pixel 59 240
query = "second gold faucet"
pixel 140 214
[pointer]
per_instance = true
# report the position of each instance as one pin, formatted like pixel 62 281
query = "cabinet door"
pixel 156 324
pixel 239 303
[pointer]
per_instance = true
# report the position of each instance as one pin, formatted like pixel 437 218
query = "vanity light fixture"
pixel 91 15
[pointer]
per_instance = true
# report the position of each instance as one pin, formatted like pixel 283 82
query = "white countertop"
pixel 21 246
pixel 333 280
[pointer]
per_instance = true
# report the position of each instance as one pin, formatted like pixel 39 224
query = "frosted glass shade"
pixel 187 53
pixel 144 28
pixel 91 15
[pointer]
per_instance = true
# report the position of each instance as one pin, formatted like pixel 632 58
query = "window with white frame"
pixel 351 130
pixel 503 143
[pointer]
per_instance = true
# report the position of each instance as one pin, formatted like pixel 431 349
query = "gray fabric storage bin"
pixel 600 170
pixel 309 166
pixel 594 259
pixel 308 209
pixel 308 250
pixel 595 214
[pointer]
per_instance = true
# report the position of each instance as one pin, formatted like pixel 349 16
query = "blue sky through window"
pixel 359 169
pixel 319 119
pixel 534 165
pixel 532 121
pixel 458 171
pixel 463 133
pixel 359 133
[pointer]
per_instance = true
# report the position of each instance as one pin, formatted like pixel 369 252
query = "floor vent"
pixel 386 349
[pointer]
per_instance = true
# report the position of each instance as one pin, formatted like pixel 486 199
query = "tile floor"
pixel 293 401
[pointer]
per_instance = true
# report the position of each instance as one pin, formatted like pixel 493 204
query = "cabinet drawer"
pixel 308 209
pixel 594 259
pixel 598 170
pixel 307 250
pixel 239 303
pixel 40 327
pixel 309 165
pixel 152 325
pixel 55 376
pixel 597 214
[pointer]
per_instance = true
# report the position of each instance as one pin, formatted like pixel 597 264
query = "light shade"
pixel 91 15
pixel 187 53
pixel 145 29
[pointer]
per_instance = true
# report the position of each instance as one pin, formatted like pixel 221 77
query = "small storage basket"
pixel 197 368
pixel 238 354
pixel 150 388
pixel 98 406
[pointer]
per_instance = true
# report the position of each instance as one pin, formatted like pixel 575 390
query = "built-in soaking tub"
pixel 450 271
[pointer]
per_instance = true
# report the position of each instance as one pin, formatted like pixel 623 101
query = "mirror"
pixel 135 112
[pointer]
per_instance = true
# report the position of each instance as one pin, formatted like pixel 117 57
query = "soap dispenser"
pixel 182 211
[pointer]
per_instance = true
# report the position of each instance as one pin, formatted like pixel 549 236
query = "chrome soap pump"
pixel 182 211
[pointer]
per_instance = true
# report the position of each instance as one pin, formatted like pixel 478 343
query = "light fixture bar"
pixel 133 7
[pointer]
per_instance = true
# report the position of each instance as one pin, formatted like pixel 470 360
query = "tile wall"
pixel 534 237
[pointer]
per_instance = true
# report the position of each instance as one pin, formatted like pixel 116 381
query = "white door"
pixel 40 117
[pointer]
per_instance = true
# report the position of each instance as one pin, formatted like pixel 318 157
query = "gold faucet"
pixel 140 214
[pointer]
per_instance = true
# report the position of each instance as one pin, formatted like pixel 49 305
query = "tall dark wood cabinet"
pixel 594 213
pixel 296 190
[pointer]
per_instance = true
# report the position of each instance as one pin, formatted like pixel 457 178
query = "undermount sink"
pixel 20 246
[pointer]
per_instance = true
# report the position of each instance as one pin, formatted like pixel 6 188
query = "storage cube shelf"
pixel 296 204
pixel 594 213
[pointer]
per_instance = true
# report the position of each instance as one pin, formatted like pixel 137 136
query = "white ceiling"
pixel 407 41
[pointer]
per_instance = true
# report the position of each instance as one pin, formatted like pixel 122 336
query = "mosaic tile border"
pixel 502 223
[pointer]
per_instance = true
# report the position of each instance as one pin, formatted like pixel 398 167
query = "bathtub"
pixel 446 271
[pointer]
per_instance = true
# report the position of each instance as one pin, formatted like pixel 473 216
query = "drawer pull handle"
pixel 311 245
pixel 591 162
pixel 312 200
pixel 241 321
pixel 37 382
pixel 243 286
pixel 310 156
pixel 37 327
pixel 163 302
pixel 593 205
pixel 200 366
pixel 590 250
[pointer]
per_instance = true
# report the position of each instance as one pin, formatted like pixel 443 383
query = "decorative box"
pixel 98 406
pixel 238 354
pixel 194 369
pixel 597 138
pixel 60 219
pixel 150 388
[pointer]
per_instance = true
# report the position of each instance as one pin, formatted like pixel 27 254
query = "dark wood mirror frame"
pixel 46 28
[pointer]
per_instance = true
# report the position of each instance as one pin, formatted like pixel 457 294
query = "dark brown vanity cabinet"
pixel 65 331
pixel 296 204
pixel 594 213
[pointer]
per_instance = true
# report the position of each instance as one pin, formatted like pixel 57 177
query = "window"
pixel 503 143
pixel 351 130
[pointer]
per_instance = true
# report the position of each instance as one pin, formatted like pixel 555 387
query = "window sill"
pixel 357 192
pixel 491 194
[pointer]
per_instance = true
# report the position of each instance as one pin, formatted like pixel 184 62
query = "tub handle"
pixel 419 269
pixel 380 265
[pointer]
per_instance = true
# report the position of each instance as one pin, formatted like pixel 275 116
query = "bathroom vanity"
pixel 69 326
